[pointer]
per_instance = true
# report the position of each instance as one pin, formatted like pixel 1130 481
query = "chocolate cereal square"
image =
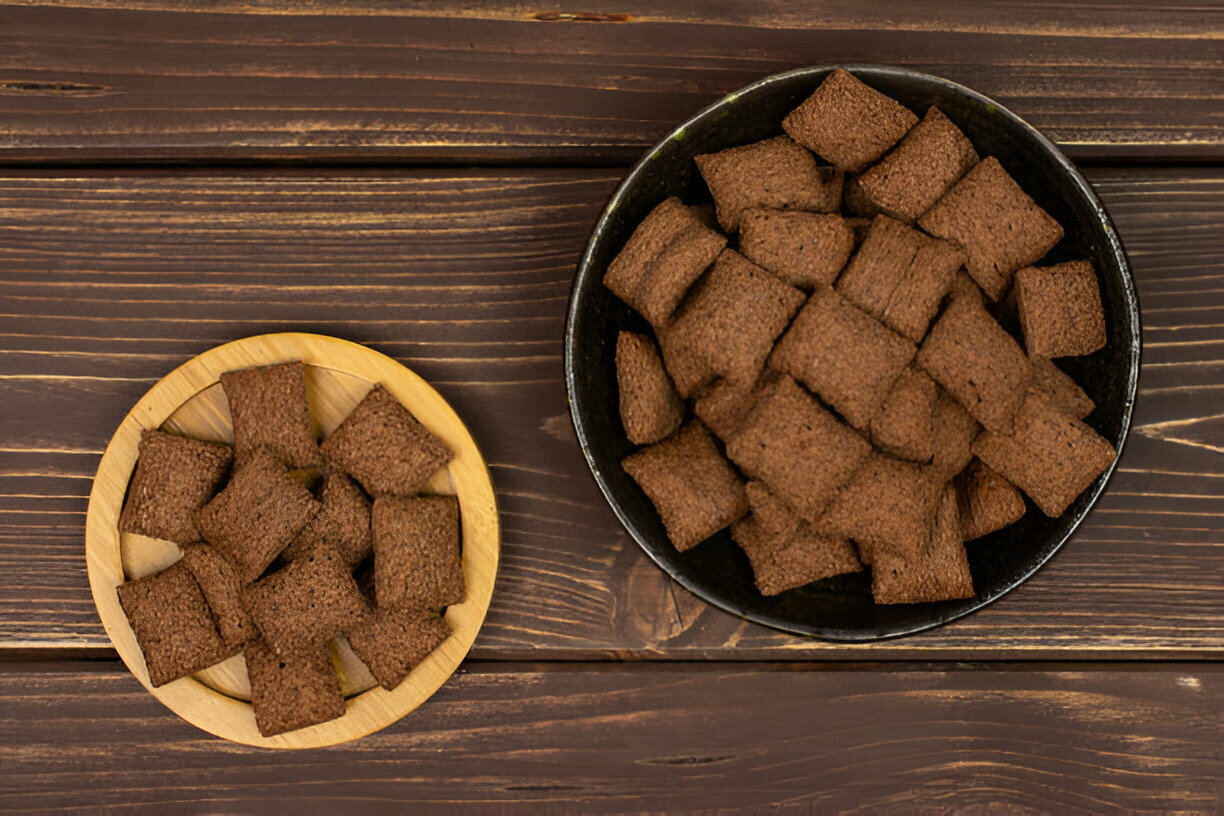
pixel 724 406
pixel 1056 386
pixel 997 224
pixel 269 409
pixel 175 476
pixel 343 522
pixel 843 354
pixel 798 449
pixel 988 502
pixel 732 318
pixel 674 270
pixel 1060 309
pixel 904 425
pixel 393 642
pixel 963 286
pixel 417 559
pixel 952 433
pixel 804 249
pixel 888 505
pixel 940 572
pixel 781 563
pixel 769 513
pixel 1051 456
pixel 306 603
pixel 218 580
pixel 692 487
pixel 172 624
pixel 929 160
pixel 684 358
pixel 775 173
pixel 650 409
pixel 257 514
pixel 658 229
pixel 292 690
pixel 899 276
pixel 383 447
pixel 848 123
pixel 978 363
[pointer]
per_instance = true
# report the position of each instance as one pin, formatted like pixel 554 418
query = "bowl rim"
pixel 583 275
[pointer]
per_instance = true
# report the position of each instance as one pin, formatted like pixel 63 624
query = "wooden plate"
pixel 190 401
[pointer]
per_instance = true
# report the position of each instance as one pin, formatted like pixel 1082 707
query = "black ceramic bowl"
pixel 841 608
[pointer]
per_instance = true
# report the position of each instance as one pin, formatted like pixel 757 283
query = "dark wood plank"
pixel 568 739
pixel 107 281
pixel 144 80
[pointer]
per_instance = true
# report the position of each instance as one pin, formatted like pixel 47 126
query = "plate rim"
pixel 375 708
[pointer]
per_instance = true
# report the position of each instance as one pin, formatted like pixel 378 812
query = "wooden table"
pixel 422 180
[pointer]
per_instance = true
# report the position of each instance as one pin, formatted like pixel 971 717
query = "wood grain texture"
pixel 108 281
pixel 567 739
pixel 145 80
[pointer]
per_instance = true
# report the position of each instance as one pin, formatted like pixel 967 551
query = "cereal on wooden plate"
pixel 257 514
pixel 172 624
pixel 383 446
pixel 417 559
pixel 269 409
pixel 175 477
pixel 393 641
pixel 294 689
pixel 343 521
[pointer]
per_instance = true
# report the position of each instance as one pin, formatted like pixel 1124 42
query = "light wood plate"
pixel 190 401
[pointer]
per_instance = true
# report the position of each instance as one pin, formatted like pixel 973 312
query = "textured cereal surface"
pixel 382 446
pixel 848 123
pixel 1051 456
pixel 269 410
pixel 257 514
pixel 175 476
pixel 798 449
pixel 693 488
pixel 843 354
pixel 292 690
pixel 775 173
pixel 417 557
pixel 172 624
pixel 221 586
pixel 392 642
pixel 343 521
pixel 997 224
pixel 650 408
pixel 939 573
pixel 306 603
